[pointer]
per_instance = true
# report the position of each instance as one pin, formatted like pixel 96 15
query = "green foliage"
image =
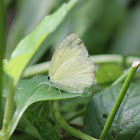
pixel 126 122
pixel 29 92
pixel 36 30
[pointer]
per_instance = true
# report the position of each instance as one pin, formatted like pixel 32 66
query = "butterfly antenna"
pixel 43 83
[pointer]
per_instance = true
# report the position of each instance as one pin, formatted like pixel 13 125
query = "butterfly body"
pixel 71 69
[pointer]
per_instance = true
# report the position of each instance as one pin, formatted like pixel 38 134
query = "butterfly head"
pixel 49 78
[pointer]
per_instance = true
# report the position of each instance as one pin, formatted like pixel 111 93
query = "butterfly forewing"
pixel 71 69
pixel 62 53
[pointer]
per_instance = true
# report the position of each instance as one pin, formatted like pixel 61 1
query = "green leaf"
pixel 38 127
pixel 40 109
pixel 126 125
pixel 30 44
pixel 29 92
pixel 108 73
pixel 29 13
pixel 26 126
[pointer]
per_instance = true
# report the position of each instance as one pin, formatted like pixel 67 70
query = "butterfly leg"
pixel 49 86
pixel 59 91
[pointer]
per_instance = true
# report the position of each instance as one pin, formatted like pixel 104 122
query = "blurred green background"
pixel 105 26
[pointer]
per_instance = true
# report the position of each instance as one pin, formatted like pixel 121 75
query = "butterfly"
pixel 71 69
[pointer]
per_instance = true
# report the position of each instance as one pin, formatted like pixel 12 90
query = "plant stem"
pixel 107 58
pixel 68 128
pixel 2 45
pixel 43 68
pixel 36 69
pixel 121 78
pixel 118 102
pixel 77 114
pixel 8 109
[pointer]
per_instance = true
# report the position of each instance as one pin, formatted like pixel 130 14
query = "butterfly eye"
pixel 48 77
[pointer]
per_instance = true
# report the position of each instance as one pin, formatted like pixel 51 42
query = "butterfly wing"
pixel 71 69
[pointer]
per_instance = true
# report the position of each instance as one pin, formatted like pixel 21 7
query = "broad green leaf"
pixel 38 127
pixel 126 125
pixel 30 44
pixel 40 109
pixel 29 92
pixel 26 126
pixel 29 13
pixel 107 73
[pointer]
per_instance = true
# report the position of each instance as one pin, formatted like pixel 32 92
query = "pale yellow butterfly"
pixel 71 69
